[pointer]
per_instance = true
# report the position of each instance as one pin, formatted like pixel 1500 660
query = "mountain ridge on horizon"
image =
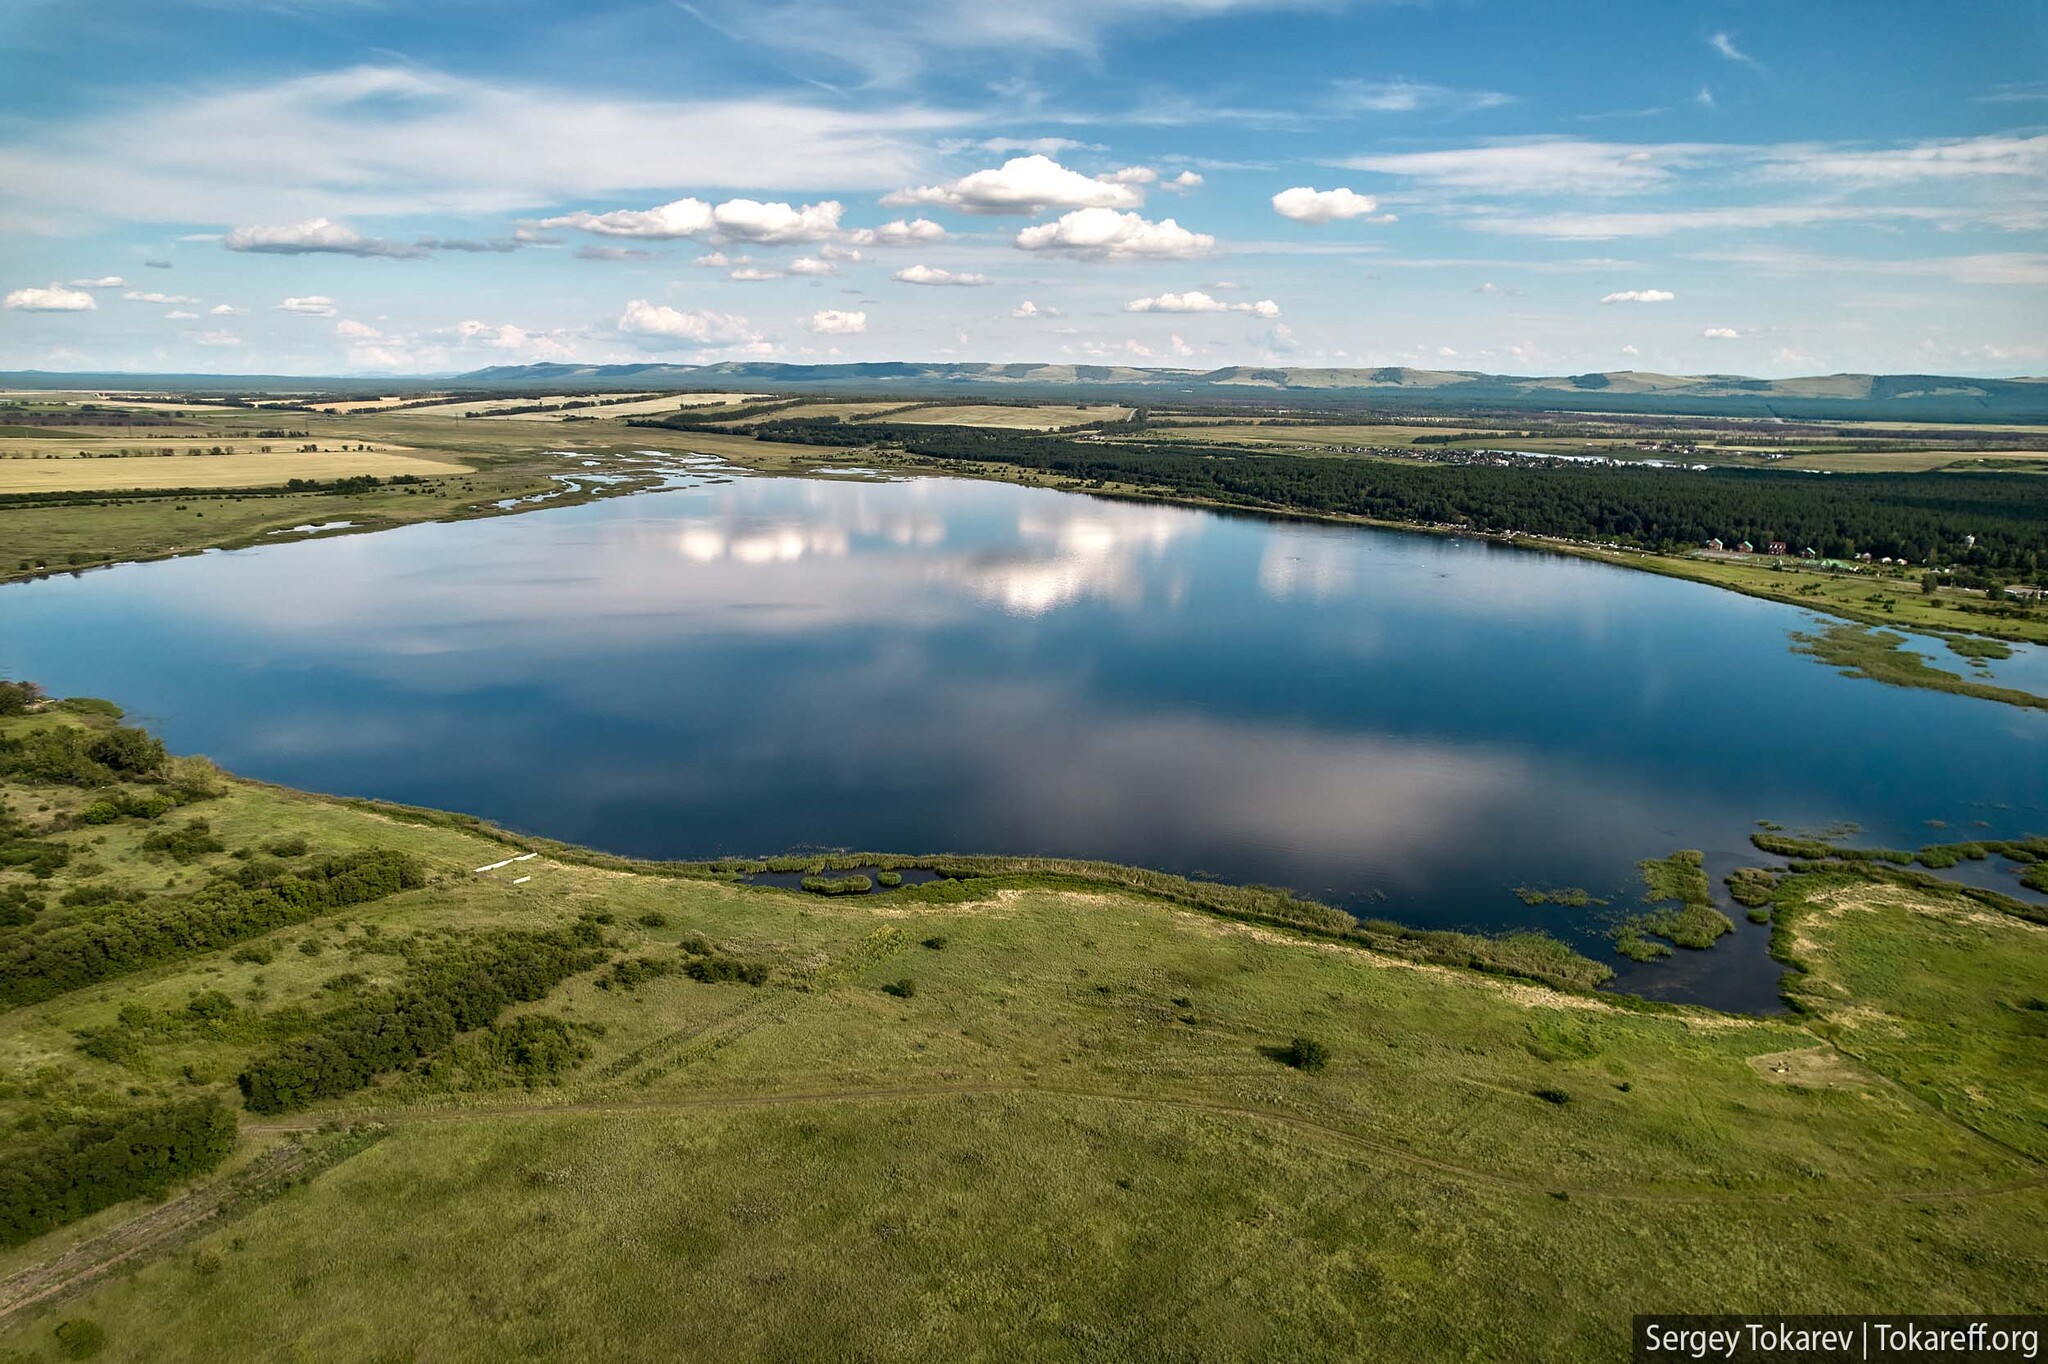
pixel 1845 395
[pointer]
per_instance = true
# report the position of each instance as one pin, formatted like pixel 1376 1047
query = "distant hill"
pixel 1827 397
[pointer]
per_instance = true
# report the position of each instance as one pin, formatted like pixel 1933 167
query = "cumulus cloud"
pixel 504 336
pixel 217 339
pixel 746 220
pixel 225 310
pixel 713 260
pixel 1184 181
pixel 1130 175
pixel 355 331
pixel 1027 184
pixel 663 324
pixel 834 322
pixel 1306 205
pixel 144 296
pixel 1640 296
pixel 776 224
pixel 930 274
pixel 312 305
pixel 748 274
pixel 913 232
pixel 1195 301
pixel 180 315
pixel 103 282
pixel 812 265
pixel 1029 309
pixel 1105 234
pixel 1721 334
pixel 317 236
pixel 55 299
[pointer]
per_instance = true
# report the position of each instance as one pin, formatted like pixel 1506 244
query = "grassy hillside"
pixel 1012 1114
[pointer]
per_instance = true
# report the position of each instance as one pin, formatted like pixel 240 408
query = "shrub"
pixel 292 846
pixel 653 918
pixel 902 989
pixel 937 942
pixel 17 697
pixel 80 1338
pixel 536 1047
pixel 1305 1053
pixel 187 843
pixel 717 968
pixel 1552 1096
pixel 889 880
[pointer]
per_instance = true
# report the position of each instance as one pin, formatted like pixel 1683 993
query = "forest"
pixel 1985 522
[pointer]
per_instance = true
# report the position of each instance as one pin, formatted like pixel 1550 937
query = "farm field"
pixel 243 469
pixel 1004 1091
pixel 1049 417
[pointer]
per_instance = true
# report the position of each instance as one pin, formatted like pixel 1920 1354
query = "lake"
pixel 1406 725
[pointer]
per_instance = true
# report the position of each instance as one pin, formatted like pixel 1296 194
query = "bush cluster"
pixel 458 991
pixel 61 1175
pixel 168 927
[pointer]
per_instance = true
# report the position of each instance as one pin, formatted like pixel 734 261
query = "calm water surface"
pixel 1405 725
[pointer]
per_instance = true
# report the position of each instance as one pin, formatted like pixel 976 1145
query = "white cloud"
pixel 1029 309
pixel 1195 301
pixel 1541 166
pixel 355 331
pixel 218 339
pixel 1725 45
pixel 665 324
pixel 504 336
pixel 1306 205
pixel 914 232
pixel 1024 184
pixel 180 315
pixel 1721 334
pixel 749 220
pixel 746 220
pixel 683 218
pixel 1403 97
pixel 312 305
pixel 748 274
pixel 401 139
pixel 1640 296
pixel 834 251
pixel 834 322
pixel 1104 234
pixel 929 274
pixel 316 236
pixel 1186 180
pixel 142 296
pixel 225 310
pixel 1130 175
pixel 103 282
pixel 2021 158
pixel 613 253
pixel 811 265
pixel 713 260
pixel 55 299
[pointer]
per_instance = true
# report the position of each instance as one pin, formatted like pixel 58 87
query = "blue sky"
pixel 429 186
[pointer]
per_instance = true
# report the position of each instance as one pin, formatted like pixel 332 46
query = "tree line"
pixel 1986 521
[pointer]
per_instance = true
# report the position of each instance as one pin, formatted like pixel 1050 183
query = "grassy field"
pixel 1063 1131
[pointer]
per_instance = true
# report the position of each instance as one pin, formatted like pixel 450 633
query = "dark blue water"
pixel 1405 725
